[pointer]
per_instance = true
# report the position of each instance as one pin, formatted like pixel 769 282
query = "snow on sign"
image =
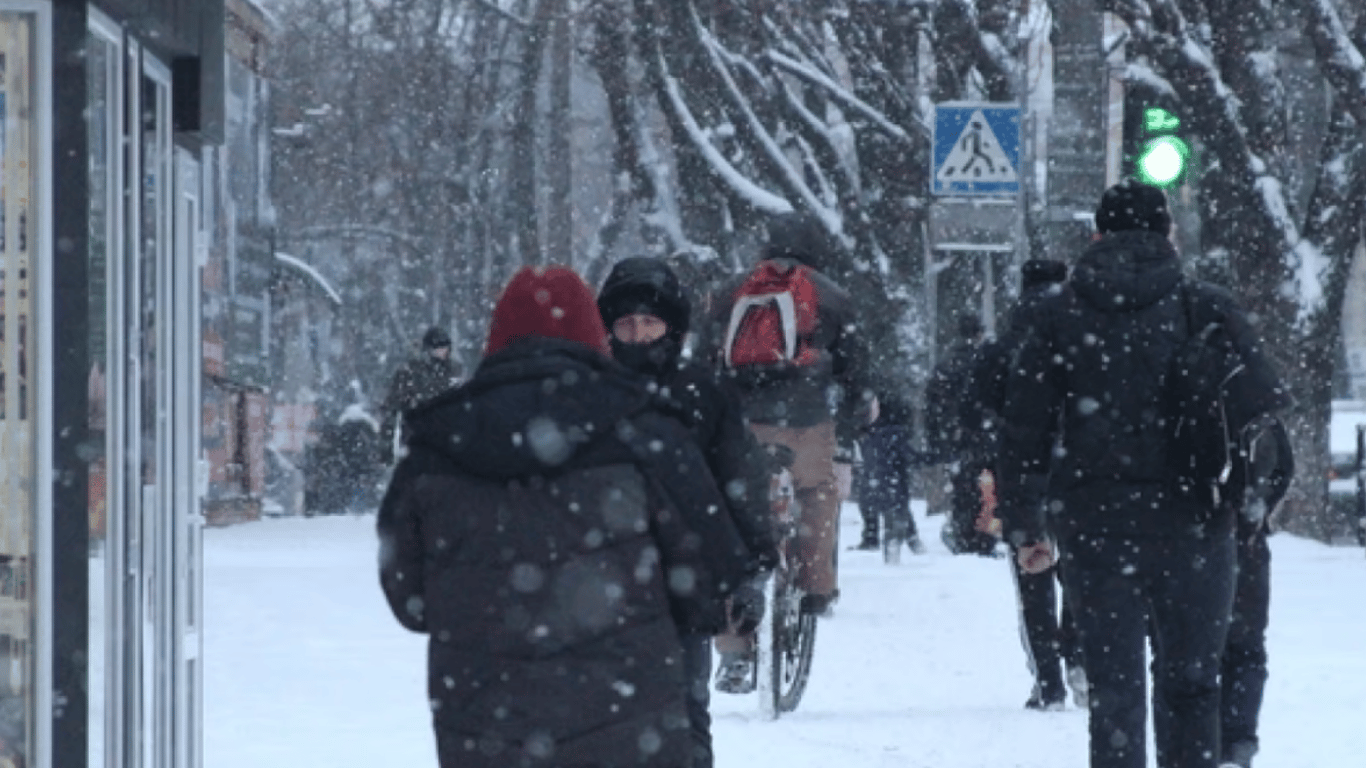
pixel 976 150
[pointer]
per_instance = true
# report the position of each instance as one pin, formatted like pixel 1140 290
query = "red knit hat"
pixel 553 302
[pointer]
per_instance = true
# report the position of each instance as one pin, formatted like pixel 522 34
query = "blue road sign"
pixel 976 150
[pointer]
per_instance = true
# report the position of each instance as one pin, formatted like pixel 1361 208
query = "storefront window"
pixel 18 416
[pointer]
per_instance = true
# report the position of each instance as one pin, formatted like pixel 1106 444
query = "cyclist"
pixel 788 336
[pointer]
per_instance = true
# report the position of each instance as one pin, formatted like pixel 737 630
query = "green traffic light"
pixel 1162 163
pixel 1159 120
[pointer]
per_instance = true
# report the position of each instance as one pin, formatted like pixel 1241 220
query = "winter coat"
pixel 536 532
pixel 1083 426
pixel 417 381
pixel 712 412
pixel 985 393
pixel 946 400
pixel 704 402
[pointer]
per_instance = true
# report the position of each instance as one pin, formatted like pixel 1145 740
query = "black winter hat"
pixel 1133 205
pixel 435 338
pixel 799 236
pixel 1036 272
pixel 645 285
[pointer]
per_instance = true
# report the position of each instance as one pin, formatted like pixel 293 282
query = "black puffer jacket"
pixel 701 399
pixel 1083 432
pixel 535 533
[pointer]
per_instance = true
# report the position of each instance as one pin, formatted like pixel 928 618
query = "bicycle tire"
pixel 793 644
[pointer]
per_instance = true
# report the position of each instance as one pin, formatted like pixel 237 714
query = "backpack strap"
pixel 787 311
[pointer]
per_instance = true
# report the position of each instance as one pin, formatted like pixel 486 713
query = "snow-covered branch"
pixel 1339 58
pixel 760 198
pixel 840 94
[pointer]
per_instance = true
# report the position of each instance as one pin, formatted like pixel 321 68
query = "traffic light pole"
pixel 1077 132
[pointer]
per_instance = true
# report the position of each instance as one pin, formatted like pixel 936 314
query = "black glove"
pixel 746 607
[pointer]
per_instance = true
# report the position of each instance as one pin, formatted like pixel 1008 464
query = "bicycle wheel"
pixel 793 641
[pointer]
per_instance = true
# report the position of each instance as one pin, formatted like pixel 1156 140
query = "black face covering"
pixel 653 359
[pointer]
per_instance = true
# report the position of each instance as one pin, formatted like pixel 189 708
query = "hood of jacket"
pixel 1127 271
pixel 530 409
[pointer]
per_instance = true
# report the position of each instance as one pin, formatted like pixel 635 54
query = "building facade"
pixel 107 110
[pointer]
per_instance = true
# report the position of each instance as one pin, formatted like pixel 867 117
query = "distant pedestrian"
pixel 417 381
pixel 538 532
pixel 967 453
pixel 1088 444
pixel 885 483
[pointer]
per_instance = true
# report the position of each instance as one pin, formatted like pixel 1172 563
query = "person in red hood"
pixel 538 533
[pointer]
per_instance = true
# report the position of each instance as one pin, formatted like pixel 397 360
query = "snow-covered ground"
pixel 920 668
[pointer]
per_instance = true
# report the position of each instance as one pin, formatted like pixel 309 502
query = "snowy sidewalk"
pixel 921 666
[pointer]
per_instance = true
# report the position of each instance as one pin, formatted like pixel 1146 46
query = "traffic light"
pixel 1164 157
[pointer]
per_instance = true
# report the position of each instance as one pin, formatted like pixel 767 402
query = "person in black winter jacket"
pixel 1048 635
pixel 647 315
pixel 415 382
pixel 1086 445
pixel 967 452
pixel 543 532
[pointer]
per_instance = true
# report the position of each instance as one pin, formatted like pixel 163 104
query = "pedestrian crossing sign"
pixel 976 150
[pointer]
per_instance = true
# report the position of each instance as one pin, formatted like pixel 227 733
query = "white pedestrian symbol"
pixel 977 156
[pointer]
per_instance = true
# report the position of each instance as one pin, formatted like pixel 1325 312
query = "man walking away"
pixel 1089 442
pixel 542 532
pixel 646 312
pixel 965 451
pixel 787 336
pixel 415 382
pixel 1048 637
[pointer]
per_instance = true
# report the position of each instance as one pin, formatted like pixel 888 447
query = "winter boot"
pixel 737 673
pixel 1047 698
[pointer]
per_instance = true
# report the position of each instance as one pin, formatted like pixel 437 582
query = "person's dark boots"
pixel 1048 698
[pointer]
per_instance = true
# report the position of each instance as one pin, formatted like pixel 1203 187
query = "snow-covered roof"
pixel 311 273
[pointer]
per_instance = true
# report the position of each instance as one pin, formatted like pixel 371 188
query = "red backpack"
pixel 772 318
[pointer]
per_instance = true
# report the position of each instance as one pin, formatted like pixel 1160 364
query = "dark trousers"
pixel 885 488
pixel 1244 663
pixel 1182 591
pixel 697 672
pixel 1048 635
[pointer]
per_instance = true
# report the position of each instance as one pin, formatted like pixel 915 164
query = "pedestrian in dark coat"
pixel 885 483
pixel 543 532
pixel 417 381
pixel 966 452
pixel 647 312
pixel 1048 634
pixel 1085 442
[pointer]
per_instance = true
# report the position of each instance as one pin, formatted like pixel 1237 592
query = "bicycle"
pixel 787 637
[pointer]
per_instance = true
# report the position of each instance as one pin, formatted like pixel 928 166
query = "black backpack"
pixel 1201 437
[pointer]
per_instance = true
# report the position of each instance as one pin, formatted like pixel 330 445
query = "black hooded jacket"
pixel 1083 429
pixel 553 533
pixel 704 402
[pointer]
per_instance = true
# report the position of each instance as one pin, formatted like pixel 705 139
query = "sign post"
pixel 975 214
